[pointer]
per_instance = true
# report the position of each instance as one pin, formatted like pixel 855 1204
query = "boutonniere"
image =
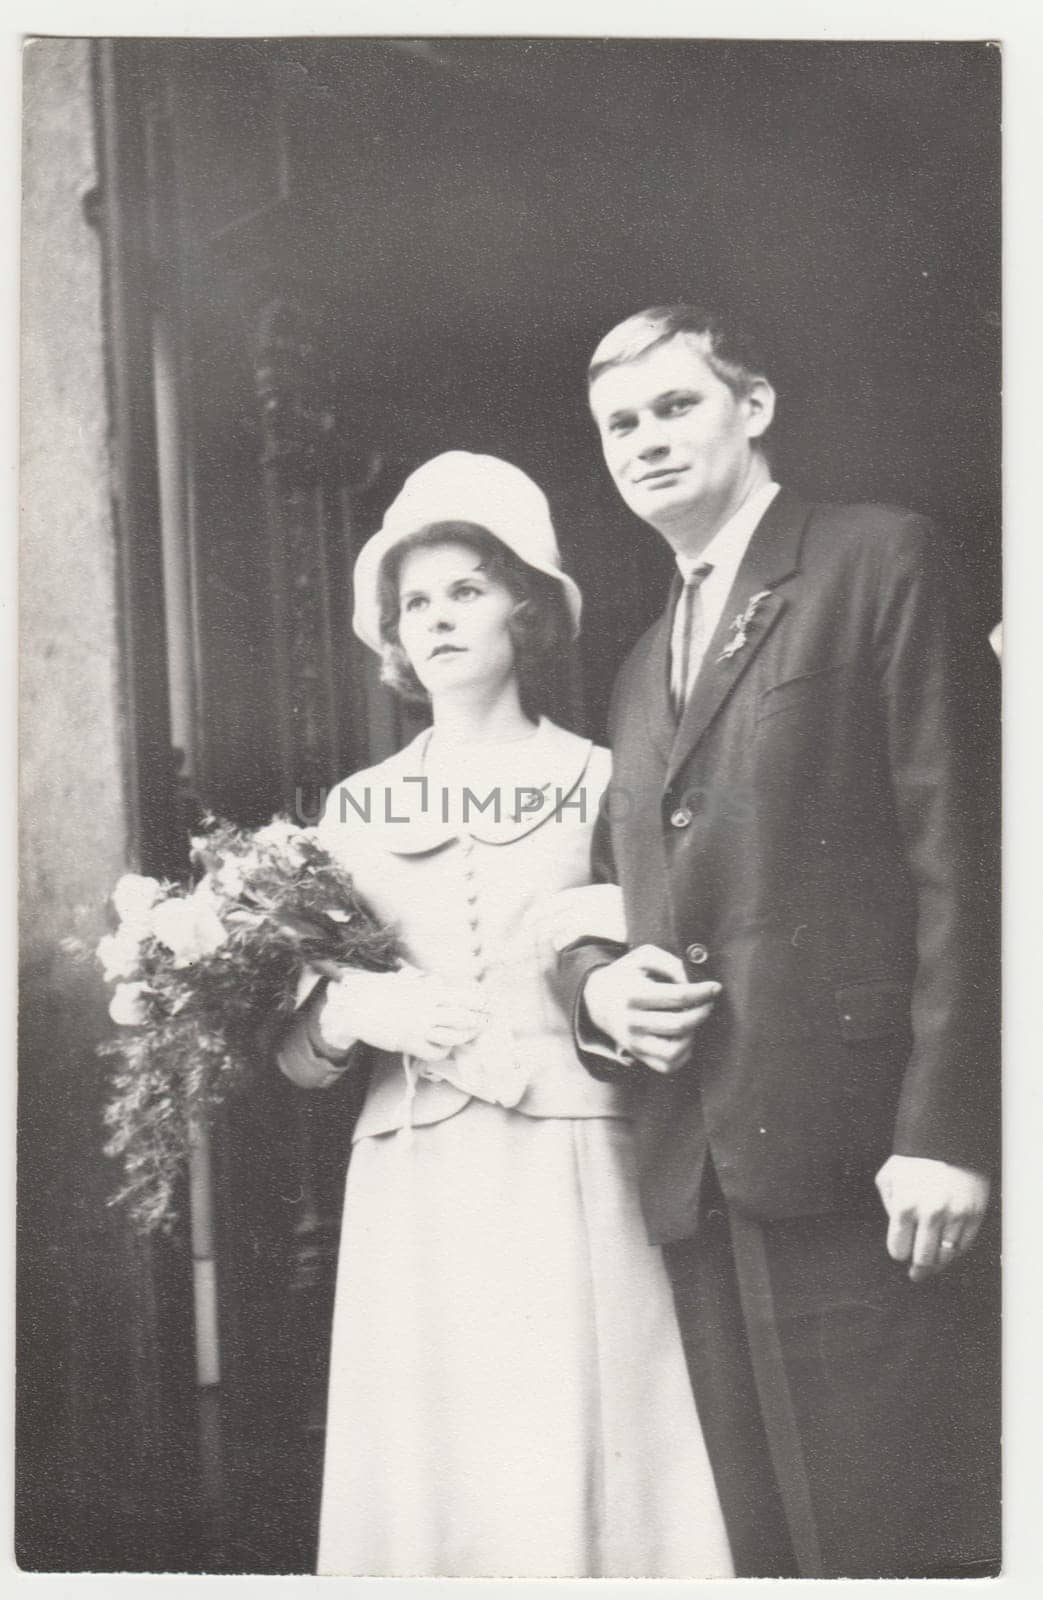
pixel 741 625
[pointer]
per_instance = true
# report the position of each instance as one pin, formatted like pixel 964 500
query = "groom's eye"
pixel 677 405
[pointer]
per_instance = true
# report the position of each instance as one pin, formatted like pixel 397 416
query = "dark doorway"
pixel 383 249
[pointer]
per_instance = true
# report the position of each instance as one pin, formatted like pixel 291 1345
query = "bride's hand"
pixel 415 1013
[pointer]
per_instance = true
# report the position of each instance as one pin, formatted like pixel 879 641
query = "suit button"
pixel 697 954
pixel 680 818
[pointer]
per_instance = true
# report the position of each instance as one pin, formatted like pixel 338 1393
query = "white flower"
pixel 134 896
pixel 189 928
pixel 206 898
pixel 741 623
pixel 127 1005
pixel 229 878
pixel 281 836
pixel 120 953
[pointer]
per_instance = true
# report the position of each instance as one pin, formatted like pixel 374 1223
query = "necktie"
pixel 686 637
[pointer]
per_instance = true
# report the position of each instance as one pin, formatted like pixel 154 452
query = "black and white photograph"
pixel 510 639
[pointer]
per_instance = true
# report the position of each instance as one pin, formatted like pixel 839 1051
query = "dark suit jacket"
pixel 815 823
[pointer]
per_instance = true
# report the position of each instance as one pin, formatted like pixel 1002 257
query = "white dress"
pixel 508 1393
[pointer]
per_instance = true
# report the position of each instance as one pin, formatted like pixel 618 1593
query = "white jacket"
pixel 463 894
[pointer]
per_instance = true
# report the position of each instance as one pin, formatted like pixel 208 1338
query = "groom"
pixel 806 1012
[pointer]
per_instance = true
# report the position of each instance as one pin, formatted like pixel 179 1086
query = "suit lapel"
pixel 770 558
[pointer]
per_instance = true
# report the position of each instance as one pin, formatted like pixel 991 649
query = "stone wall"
pixel 84 1284
pixel 72 819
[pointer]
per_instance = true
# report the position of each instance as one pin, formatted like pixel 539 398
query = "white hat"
pixel 461 487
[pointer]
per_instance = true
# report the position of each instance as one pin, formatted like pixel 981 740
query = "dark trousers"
pixel 852 1417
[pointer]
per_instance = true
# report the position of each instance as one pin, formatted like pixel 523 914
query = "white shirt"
pixel 724 553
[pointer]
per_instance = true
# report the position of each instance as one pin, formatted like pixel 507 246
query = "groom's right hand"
pixel 646 1004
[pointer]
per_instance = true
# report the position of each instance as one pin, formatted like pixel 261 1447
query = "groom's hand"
pixel 934 1212
pixel 645 1003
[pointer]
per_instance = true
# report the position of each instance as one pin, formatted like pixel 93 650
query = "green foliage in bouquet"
pixel 200 975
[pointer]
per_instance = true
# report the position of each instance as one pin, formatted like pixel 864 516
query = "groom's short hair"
pixel 728 350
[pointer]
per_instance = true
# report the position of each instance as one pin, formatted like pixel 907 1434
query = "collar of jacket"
pixel 402 808
pixel 772 557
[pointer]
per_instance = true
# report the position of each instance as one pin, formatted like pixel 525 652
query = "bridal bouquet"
pixel 199 972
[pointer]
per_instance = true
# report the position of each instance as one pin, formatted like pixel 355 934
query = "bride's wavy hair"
pixel 539 626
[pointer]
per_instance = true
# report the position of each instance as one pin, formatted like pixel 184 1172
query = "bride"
pixel 508 1394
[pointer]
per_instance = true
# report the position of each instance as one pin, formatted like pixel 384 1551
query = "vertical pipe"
pixel 204 1258
pixel 181 667
pixel 156 608
pixel 158 845
pixel 176 551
